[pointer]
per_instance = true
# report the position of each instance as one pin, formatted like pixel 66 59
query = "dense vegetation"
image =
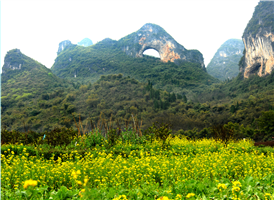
pixel 153 165
pixel 38 100
pixel 263 18
pixel 106 57
pixel 34 98
pixel 89 128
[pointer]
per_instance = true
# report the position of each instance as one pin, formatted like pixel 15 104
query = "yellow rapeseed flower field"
pixel 148 165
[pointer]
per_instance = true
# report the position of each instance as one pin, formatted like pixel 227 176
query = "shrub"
pixel 160 132
pixel 60 136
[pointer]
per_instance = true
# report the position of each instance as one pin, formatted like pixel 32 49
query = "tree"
pixel 156 104
pixel 266 122
pixel 172 97
pixel 232 109
pixel 184 98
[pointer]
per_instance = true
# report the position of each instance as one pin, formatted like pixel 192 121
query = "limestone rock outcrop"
pixel 63 45
pixel 13 60
pixel 152 36
pixel 224 64
pixel 258 39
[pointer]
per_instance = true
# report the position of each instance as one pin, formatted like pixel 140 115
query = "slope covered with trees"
pixel 87 64
pixel 37 100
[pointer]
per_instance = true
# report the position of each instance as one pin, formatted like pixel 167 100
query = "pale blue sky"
pixel 37 27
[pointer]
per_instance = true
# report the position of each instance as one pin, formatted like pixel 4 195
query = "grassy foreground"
pixel 144 169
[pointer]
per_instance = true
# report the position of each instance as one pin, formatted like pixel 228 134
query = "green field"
pixel 138 168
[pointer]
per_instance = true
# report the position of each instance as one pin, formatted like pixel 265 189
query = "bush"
pixel 160 132
pixel 223 132
pixel 60 136
pixel 266 125
pixel 13 137
pixel 93 139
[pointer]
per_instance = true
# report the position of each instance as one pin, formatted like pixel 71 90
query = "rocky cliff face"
pixel 13 61
pixel 152 36
pixel 63 45
pixel 85 42
pixel 258 39
pixel 17 64
pixel 224 64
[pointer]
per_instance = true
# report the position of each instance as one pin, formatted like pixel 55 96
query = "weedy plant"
pixel 160 132
pixel 108 132
pixel 223 133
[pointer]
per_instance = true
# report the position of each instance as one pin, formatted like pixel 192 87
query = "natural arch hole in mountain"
pixel 151 52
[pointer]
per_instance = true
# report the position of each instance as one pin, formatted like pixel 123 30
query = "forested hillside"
pixel 103 82
pixel 89 63
pixel 35 99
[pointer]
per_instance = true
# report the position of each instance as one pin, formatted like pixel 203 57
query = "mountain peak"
pixel 13 60
pixel 63 45
pixel 152 36
pixel 150 27
pixel 85 42
pixel 224 64
pixel 17 64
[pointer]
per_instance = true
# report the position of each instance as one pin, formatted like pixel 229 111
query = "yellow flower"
pixel 221 186
pixel 178 196
pixel 190 195
pixel 86 180
pixel 236 189
pixel 121 197
pixel 163 198
pixel 81 192
pixel 79 182
pixel 237 183
pixel 30 183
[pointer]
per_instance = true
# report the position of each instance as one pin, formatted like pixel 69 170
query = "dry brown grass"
pixel 108 125
pixel 268 143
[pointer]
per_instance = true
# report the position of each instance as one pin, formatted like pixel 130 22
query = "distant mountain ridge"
pixel 85 42
pixel 177 67
pixel 33 98
pixel 90 84
pixel 224 64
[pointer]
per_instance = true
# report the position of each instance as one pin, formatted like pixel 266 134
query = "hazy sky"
pixel 37 27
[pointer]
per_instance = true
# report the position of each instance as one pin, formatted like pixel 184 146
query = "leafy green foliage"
pixel 56 137
pixel 263 18
pixel 160 132
pixel 265 125
pixel 59 137
pixel 106 57
pixel 34 100
pixel 223 133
